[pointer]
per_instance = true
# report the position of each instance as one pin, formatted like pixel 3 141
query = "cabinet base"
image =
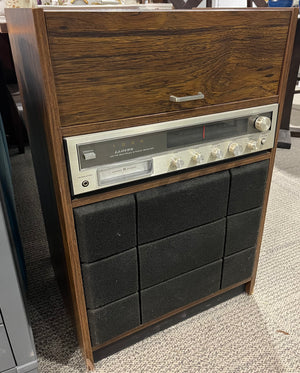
pixel 129 340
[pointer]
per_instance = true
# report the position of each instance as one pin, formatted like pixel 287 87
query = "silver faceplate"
pixel 88 179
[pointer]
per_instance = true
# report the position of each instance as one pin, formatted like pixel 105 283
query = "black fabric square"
pixel 105 228
pixel 114 319
pixel 242 231
pixel 110 279
pixel 180 291
pixel 238 267
pixel 247 187
pixel 180 253
pixel 180 206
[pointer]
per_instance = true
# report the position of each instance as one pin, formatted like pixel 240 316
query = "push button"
pixel 263 141
pixel 89 155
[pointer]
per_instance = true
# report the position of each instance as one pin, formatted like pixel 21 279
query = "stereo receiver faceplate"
pixel 109 158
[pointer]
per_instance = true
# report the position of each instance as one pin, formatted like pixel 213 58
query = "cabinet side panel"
pixel 29 43
pixel 282 94
pixel 30 81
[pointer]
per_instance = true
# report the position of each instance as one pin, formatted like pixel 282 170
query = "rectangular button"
pixel 89 155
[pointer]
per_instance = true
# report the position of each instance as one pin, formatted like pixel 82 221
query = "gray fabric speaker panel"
pixel 110 279
pixel 174 208
pixel 105 228
pixel 180 291
pixel 169 257
pixel 242 231
pixel 247 186
pixel 114 319
pixel 238 267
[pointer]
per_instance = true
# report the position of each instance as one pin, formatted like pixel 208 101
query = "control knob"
pixel 176 163
pixel 234 149
pixel 262 123
pixel 197 158
pixel 252 145
pixel 217 153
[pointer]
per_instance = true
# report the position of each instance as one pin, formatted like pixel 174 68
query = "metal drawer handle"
pixel 199 96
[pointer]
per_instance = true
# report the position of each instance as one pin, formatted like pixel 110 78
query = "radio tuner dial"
pixel 176 163
pixel 262 123
pixel 217 153
pixel 197 158
pixel 234 149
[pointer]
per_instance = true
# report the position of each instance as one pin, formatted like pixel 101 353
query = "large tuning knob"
pixel 262 123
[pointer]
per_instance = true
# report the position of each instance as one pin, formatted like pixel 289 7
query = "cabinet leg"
pixel 250 287
pixel 90 365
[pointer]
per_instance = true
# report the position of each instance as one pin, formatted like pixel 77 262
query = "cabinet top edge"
pixel 142 8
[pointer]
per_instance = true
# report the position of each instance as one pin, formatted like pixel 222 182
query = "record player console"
pixel 153 136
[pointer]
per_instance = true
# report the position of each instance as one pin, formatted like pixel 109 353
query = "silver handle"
pixel 199 96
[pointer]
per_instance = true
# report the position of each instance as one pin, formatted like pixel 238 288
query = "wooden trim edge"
pixel 282 92
pixel 163 117
pixel 61 188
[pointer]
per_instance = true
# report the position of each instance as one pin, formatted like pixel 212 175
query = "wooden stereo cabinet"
pixel 95 70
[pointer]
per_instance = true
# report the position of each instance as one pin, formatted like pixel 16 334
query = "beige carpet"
pixel 259 333
pixel 295 115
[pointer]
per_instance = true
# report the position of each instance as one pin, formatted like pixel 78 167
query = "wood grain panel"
pixel 282 93
pixel 163 117
pixel 33 67
pixel 122 65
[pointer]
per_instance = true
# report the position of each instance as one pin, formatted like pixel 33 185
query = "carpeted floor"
pixel 294 122
pixel 259 333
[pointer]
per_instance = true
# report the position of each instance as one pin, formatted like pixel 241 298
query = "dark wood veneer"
pixel 162 117
pixel 29 45
pixel 135 61
pixel 238 58
pixel 282 93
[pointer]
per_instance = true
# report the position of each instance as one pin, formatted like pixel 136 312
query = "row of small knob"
pixel 234 149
